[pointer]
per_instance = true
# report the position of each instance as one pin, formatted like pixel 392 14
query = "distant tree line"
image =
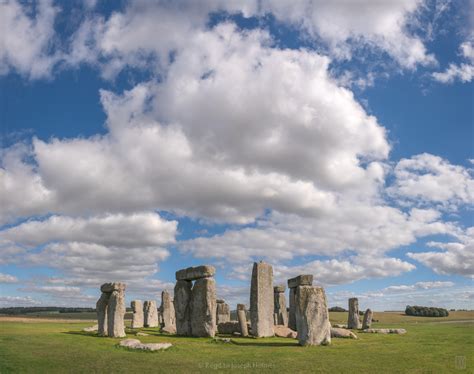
pixel 337 309
pixel 42 309
pixel 425 311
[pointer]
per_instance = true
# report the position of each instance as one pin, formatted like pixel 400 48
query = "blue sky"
pixel 326 138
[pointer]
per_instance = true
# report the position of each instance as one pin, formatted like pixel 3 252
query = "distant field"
pixel 432 345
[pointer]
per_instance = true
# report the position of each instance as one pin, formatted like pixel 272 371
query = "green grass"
pixel 428 347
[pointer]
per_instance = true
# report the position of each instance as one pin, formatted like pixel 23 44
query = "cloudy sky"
pixel 325 137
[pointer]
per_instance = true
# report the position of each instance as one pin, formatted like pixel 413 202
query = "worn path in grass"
pixel 58 347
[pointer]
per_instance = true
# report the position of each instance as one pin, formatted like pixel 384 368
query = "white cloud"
pixel 8 301
pixel 455 257
pixel 419 286
pixel 27 33
pixel 464 71
pixel 7 278
pixel 426 179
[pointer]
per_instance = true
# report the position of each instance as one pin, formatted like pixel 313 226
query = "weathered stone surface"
pixel 300 280
pixel 367 322
pixel 150 314
pixel 292 310
pixel 242 316
pixel 91 329
pixel 137 317
pixel 261 300
pixel 136 344
pixel 101 308
pixel 342 333
pixel 182 306
pixel 197 272
pixel 386 331
pixel 168 312
pixel 353 321
pixel 312 316
pixel 111 287
pixel 142 334
pixel 220 301
pixel 340 326
pixel 284 332
pixel 203 308
pixel 115 314
pixel 222 313
pixel 281 315
pixel 228 328
pixel 279 289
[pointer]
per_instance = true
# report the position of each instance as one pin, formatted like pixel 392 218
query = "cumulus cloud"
pixel 7 278
pixel 27 36
pixel 427 179
pixel 8 301
pixel 463 72
pixel 455 258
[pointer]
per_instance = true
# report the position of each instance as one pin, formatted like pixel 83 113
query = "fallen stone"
pixel 142 334
pixel 342 333
pixel 340 326
pixel 194 273
pixel 182 306
pixel 261 300
pixel 353 321
pixel 222 340
pixel 236 334
pixel 312 316
pixel 386 331
pixel 284 332
pixel 301 280
pixel 137 317
pixel 367 322
pixel 91 329
pixel 136 344
pixel 204 308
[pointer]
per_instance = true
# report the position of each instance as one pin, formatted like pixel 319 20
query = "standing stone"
pixel 137 317
pixel 204 308
pixel 292 310
pixel 300 280
pixel 101 307
pixel 312 316
pixel 281 315
pixel 261 300
pixel 167 310
pixel 353 321
pixel 116 312
pixel 242 316
pixel 223 312
pixel 367 319
pixel 182 306
pixel 150 314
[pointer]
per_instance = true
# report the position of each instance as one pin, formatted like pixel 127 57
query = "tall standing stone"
pixel 242 317
pixel 367 319
pixel 116 312
pixel 223 312
pixel 281 315
pixel 300 280
pixel 182 306
pixel 353 321
pixel 312 316
pixel 204 307
pixel 150 314
pixel 137 317
pixel 168 312
pixel 261 300
pixel 101 308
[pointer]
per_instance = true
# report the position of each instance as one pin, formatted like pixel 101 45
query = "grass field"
pixel 431 345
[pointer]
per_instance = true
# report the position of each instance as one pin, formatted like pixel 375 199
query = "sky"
pixel 326 138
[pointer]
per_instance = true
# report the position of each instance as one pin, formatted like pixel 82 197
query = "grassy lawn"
pixel 60 347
